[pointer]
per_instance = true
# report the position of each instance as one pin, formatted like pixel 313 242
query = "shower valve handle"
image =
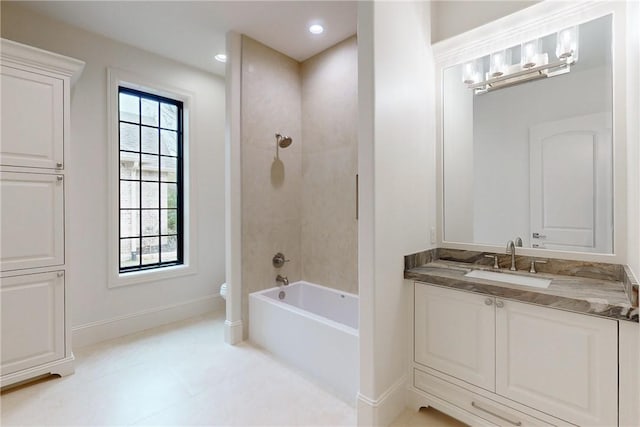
pixel 279 260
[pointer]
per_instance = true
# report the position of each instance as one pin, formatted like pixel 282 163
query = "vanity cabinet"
pixel 495 358
pixel 34 292
pixel 562 363
pixel 455 333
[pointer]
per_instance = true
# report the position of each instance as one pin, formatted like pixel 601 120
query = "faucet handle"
pixel 279 260
pixel 495 260
pixel 533 264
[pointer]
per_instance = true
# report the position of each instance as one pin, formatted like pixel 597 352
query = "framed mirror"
pixel 527 143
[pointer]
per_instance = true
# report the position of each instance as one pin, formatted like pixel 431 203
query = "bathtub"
pixel 314 329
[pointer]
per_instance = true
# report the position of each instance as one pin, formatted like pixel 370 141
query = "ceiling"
pixel 193 32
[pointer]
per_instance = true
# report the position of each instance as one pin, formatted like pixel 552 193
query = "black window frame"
pixel 179 182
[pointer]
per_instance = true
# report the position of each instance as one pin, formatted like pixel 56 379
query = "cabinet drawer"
pixel 32 220
pixel 480 406
pixel 32 320
pixel 32 119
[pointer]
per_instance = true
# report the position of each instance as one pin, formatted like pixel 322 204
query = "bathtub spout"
pixel 282 280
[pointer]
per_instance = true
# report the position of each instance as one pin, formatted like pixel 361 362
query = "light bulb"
pixel 497 64
pixel 316 29
pixel 529 54
pixel 567 43
pixel 470 74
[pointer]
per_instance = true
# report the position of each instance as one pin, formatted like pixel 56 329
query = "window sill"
pixel 157 274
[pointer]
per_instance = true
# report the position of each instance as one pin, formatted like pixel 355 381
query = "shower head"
pixel 283 141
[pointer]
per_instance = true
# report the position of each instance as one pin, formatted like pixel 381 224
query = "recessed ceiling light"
pixel 221 57
pixel 316 29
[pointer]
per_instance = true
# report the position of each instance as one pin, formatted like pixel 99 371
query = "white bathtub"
pixel 314 329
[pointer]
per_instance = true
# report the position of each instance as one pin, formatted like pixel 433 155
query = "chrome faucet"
pixel 282 280
pixel 511 249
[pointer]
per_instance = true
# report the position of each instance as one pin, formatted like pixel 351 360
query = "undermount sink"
pixel 509 278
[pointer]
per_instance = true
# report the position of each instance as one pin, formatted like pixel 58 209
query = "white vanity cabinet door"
pixel 454 334
pixel 31 220
pixel 32 119
pixel 32 320
pixel 561 363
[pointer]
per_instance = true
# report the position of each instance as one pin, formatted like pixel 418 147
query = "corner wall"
pixel 100 312
pixel 397 195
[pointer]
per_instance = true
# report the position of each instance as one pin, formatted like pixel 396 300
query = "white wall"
pixel 100 312
pixel 396 164
pixel 449 18
pixel 633 138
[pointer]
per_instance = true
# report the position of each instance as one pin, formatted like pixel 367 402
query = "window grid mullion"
pixel 177 182
pixel 159 187
pixel 140 182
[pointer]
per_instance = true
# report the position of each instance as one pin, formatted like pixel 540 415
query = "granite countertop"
pixel 604 298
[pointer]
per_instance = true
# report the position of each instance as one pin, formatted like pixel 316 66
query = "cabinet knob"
pixel 499 304
pixel 488 301
pixel 60 273
pixel 58 165
pixel 60 178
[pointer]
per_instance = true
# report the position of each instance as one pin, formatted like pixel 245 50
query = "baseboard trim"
pixel 62 367
pixel 233 332
pixel 385 409
pixel 102 330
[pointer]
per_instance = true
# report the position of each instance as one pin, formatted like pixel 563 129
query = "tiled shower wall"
pixel 329 166
pixel 271 188
pixel 304 202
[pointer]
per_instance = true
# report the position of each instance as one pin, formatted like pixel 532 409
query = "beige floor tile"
pixel 425 417
pixel 179 374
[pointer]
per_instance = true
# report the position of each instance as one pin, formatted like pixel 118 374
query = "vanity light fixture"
pixel 221 57
pixel 498 63
pixel 567 43
pixel 529 52
pixel 472 72
pixel 533 64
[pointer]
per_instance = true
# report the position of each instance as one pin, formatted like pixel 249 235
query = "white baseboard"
pixel 384 410
pixel 91 333
pixel 62 367
pixel 233 332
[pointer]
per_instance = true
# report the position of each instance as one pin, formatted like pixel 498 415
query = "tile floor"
pixel 183 374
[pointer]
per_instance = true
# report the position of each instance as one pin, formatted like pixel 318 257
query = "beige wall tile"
pixel 301 203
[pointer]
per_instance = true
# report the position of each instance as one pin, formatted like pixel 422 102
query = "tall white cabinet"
pixel 34 292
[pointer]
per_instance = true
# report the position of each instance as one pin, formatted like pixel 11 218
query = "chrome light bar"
pixel 534 73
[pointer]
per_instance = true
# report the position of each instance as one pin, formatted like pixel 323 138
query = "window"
pixel 151 208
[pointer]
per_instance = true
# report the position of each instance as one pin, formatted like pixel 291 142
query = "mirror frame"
pixel 536 21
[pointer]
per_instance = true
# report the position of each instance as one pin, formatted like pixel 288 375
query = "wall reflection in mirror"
pixel 530 153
